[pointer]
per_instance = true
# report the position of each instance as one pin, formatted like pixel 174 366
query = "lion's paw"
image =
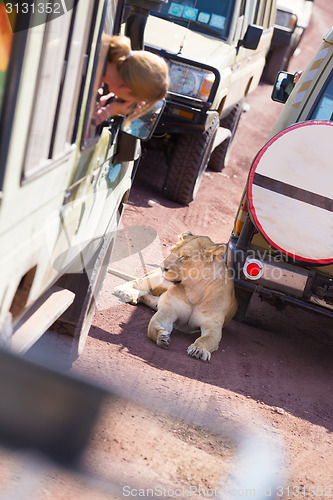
pixel 127 293
pixel 163 340
pixel 198 352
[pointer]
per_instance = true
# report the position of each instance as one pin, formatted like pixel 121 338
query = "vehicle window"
pixel 264 13
pixel 205 16
pixel 91 132
pixel 267 15
pixel 70 89
pixel 47 92
pixel 323 109
pixel 6 38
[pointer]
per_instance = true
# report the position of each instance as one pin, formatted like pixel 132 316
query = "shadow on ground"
pixel 281 359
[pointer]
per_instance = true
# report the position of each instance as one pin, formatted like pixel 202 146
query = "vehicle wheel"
pixel 76 321
pixel 220 156
pixel 188 163
pixel 243 298
pixel 277 60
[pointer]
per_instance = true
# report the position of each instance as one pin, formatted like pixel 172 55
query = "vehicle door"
pixel 98 183
pixel 43 63
pixel 249 64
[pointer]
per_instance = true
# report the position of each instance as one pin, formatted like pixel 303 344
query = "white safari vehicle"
pixel 282 243
pixel 292 19
pixel 63 182
pixel 216 51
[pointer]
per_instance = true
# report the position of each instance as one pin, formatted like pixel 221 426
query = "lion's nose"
pixel 166 265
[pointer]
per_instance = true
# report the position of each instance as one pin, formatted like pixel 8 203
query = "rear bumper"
pixel 281 282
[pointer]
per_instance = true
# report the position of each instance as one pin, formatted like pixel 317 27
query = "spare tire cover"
pixel 290 191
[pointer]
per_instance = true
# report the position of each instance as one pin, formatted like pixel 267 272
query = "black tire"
pixel 277 60
pixel 220 156
pixel 243 298
pixel 188 163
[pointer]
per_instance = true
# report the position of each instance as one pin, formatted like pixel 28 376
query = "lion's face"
pixel 193 258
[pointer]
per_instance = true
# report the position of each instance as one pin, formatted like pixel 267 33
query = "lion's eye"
pixel 184 257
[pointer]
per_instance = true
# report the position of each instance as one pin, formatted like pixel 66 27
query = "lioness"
pixel 192 291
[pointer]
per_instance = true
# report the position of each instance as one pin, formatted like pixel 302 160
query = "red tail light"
pixel 253 269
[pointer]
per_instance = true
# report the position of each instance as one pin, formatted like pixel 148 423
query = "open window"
pixel 91 132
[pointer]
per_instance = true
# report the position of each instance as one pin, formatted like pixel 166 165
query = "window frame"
pixel 263 14
pixel 46 163
pixel 314 107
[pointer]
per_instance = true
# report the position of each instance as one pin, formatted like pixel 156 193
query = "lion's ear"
pixel 185 235
pixel 215 252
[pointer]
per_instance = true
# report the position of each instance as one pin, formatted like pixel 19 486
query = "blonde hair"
pixel 144 73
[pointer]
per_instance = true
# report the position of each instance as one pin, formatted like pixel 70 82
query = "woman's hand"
pixel 120 107
pixel 114 108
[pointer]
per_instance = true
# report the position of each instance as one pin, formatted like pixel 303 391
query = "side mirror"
pixel 252 37
pixel 143 127
pixel 283 86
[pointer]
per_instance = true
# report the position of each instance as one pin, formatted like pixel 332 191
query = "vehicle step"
pixel 44 313
pixel 221 135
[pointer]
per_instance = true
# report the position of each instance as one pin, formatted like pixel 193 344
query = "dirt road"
pixel 270 381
